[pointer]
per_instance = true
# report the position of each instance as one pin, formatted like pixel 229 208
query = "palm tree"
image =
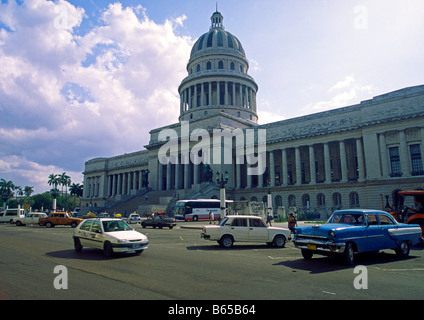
pixel 54 180
pixel 64 181
pixel 6 190
pixel 28 190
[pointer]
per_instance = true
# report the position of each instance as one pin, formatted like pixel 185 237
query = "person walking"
pixel 292 222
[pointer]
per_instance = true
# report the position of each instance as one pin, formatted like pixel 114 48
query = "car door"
pixel 83 232
pixel 239 229
pixel 374 234
pixel 96 235
pixel 258 231
pixel 387 223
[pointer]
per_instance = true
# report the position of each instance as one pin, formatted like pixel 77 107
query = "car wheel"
pixel 107 249
pixel 349 254
pixel 403 250
pixel 49 225
pixel 77 245
pixel 226 242
pixel 74 224
pixel 307 254
pixel 143 225
pixel 18 223
pixel 170 227
pixel 279 241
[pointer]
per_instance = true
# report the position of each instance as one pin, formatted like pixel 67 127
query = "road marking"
pixel 327 292
pixel 181 238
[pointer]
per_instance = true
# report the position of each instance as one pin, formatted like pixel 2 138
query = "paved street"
pixel 180 265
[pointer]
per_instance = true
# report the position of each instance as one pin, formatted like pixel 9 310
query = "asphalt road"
pixel 180 265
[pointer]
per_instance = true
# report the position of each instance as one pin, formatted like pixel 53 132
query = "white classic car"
pixel 110 235
pixel 30 218
pixel 245 229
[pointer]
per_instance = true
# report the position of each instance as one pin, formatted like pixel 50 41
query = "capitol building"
pixel 350 157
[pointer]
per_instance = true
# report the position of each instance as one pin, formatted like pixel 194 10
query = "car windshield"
pixel 115 225
pixel 355 219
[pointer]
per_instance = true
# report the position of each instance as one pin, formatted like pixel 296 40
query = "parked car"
pixel 356 230
pixel 110 235
pixel 59 218
pixel 10 214
pixel 245 229
pixel 133 218
pixel 159 222
pixel 30 218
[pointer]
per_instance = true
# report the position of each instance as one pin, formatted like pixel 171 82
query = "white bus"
pixel 194 210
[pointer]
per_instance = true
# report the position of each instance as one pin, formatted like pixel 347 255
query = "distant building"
pixel 343 158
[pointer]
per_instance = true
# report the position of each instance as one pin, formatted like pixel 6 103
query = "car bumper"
pixel 320 246
pixel 205 236
pixel 132 246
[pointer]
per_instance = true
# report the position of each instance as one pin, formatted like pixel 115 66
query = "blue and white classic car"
pixel 356 230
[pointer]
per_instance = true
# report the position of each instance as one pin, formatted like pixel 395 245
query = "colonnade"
pixel 109 185
pixel 217 93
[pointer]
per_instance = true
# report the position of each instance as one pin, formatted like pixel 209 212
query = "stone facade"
pixel 344 158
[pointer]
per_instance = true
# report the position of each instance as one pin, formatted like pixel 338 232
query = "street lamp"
pixel 222 180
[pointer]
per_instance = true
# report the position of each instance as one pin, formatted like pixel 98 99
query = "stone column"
pixel 298 169
pixel 343 164
pixel 327 163
pixel 312 170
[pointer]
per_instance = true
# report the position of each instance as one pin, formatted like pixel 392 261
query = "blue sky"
pixel 83 79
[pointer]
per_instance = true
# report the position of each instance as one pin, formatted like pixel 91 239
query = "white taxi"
pixel 110 235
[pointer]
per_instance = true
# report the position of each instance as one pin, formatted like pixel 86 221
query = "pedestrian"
pixel 211 218
pixel 269 218
pixel 292 222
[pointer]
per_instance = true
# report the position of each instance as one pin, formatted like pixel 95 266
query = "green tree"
pixel 28 191
pixel 6 190
pixel 64 181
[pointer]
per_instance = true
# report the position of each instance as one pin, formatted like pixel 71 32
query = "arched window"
pixel 337 199
pixel 292 200
pixel 321 200
pixel 306 201
pixel 220 65
pixel 208 65
pixel 253 198
pixel 232 66
pixel 278 201
pixel 198 68
pixel 354 200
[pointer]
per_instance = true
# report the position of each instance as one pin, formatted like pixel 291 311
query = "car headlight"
pixel 332 234
pixel 123 241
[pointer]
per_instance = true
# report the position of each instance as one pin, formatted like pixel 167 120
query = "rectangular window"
pixel 395 162
pixel 416 159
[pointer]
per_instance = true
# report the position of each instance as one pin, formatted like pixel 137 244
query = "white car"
pixel 247 229
pixel 30 218
pixel 110 235
pixel 134 218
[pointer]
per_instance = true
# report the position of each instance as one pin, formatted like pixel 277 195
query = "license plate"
pixel 312 246
pixel 136 246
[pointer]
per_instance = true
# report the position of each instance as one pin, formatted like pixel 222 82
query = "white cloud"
pixel 66 98
pixel 344 93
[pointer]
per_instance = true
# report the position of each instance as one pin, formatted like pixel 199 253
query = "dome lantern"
pixel 217 20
